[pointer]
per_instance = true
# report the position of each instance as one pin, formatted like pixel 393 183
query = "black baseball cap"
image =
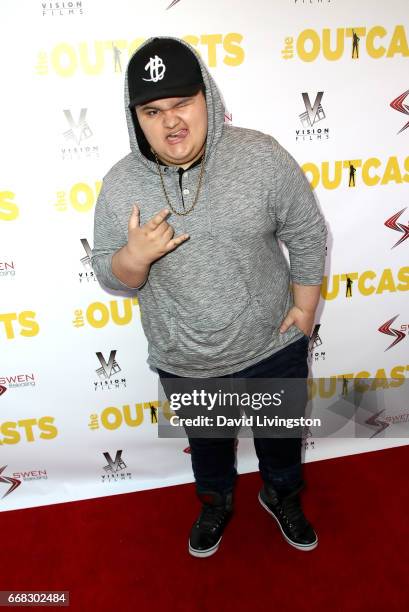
pixel 163 68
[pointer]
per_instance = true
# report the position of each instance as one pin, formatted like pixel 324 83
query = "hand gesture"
pixel 154 239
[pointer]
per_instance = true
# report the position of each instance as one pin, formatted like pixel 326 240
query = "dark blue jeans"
pixel 214 459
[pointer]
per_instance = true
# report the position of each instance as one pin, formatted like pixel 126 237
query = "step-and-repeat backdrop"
pixel 329 79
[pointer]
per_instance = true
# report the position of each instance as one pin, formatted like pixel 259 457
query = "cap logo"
pixel 157 69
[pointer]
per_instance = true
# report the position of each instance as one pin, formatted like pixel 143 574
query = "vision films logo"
pixel 115 469
pixel 316 353
pixel 398 105
pixel 61 9
pixel 307 441
pixel 87 275
pixel 392 223
pixel 311 2
pixel 398 334
pixel 79 138
pixel 313 114
pixel 106 373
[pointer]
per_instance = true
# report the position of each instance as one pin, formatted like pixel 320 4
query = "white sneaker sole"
pixel 205 553
pixel 298 546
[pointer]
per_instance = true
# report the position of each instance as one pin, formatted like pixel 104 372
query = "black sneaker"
pixel 288 513
pixel 207 531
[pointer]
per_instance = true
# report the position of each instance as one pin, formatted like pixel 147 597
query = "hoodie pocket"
pixel 238 330
pixel 214 314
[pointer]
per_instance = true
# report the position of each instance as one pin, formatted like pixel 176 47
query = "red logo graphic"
pixel 398 105
pixel 398 227
pixel 2 389
pixel 14 482
pixel 381 425
pixel 387 329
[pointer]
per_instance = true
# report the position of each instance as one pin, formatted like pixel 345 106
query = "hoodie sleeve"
pixel 108 238
pixel 300 224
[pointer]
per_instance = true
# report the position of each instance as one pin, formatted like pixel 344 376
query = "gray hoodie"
pixel 214 305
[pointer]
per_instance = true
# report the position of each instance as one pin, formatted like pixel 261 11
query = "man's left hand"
pixel 302 319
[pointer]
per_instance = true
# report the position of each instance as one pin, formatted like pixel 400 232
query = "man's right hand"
pixel 150 241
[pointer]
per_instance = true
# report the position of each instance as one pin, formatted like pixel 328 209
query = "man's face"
pixel 176 128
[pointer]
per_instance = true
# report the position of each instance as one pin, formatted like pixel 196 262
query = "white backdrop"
pixel 63 403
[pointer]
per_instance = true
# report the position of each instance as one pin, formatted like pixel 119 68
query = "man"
pixel 191 218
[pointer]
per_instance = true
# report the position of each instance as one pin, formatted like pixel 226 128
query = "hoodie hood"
pixel 215 112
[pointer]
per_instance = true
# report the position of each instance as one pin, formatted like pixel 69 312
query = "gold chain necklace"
pixel 185 212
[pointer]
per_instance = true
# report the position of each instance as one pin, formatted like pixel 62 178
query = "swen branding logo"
pixel 7 268
pixel 106 373
pixel 392 223
pixel 374 421
pixel 2 389
pixel 313 114
pixel 398 105
pixel 31 475
pixel 114 470
pixel 8 480
pixel 18 380
pixel 398 334
pixel 334 44
pixel 78 132
pixel 88 275
pixel 156 68
pixel 81 197
pixel 353 172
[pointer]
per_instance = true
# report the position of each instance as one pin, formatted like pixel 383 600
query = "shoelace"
pixel 211 517
pixel 292 513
